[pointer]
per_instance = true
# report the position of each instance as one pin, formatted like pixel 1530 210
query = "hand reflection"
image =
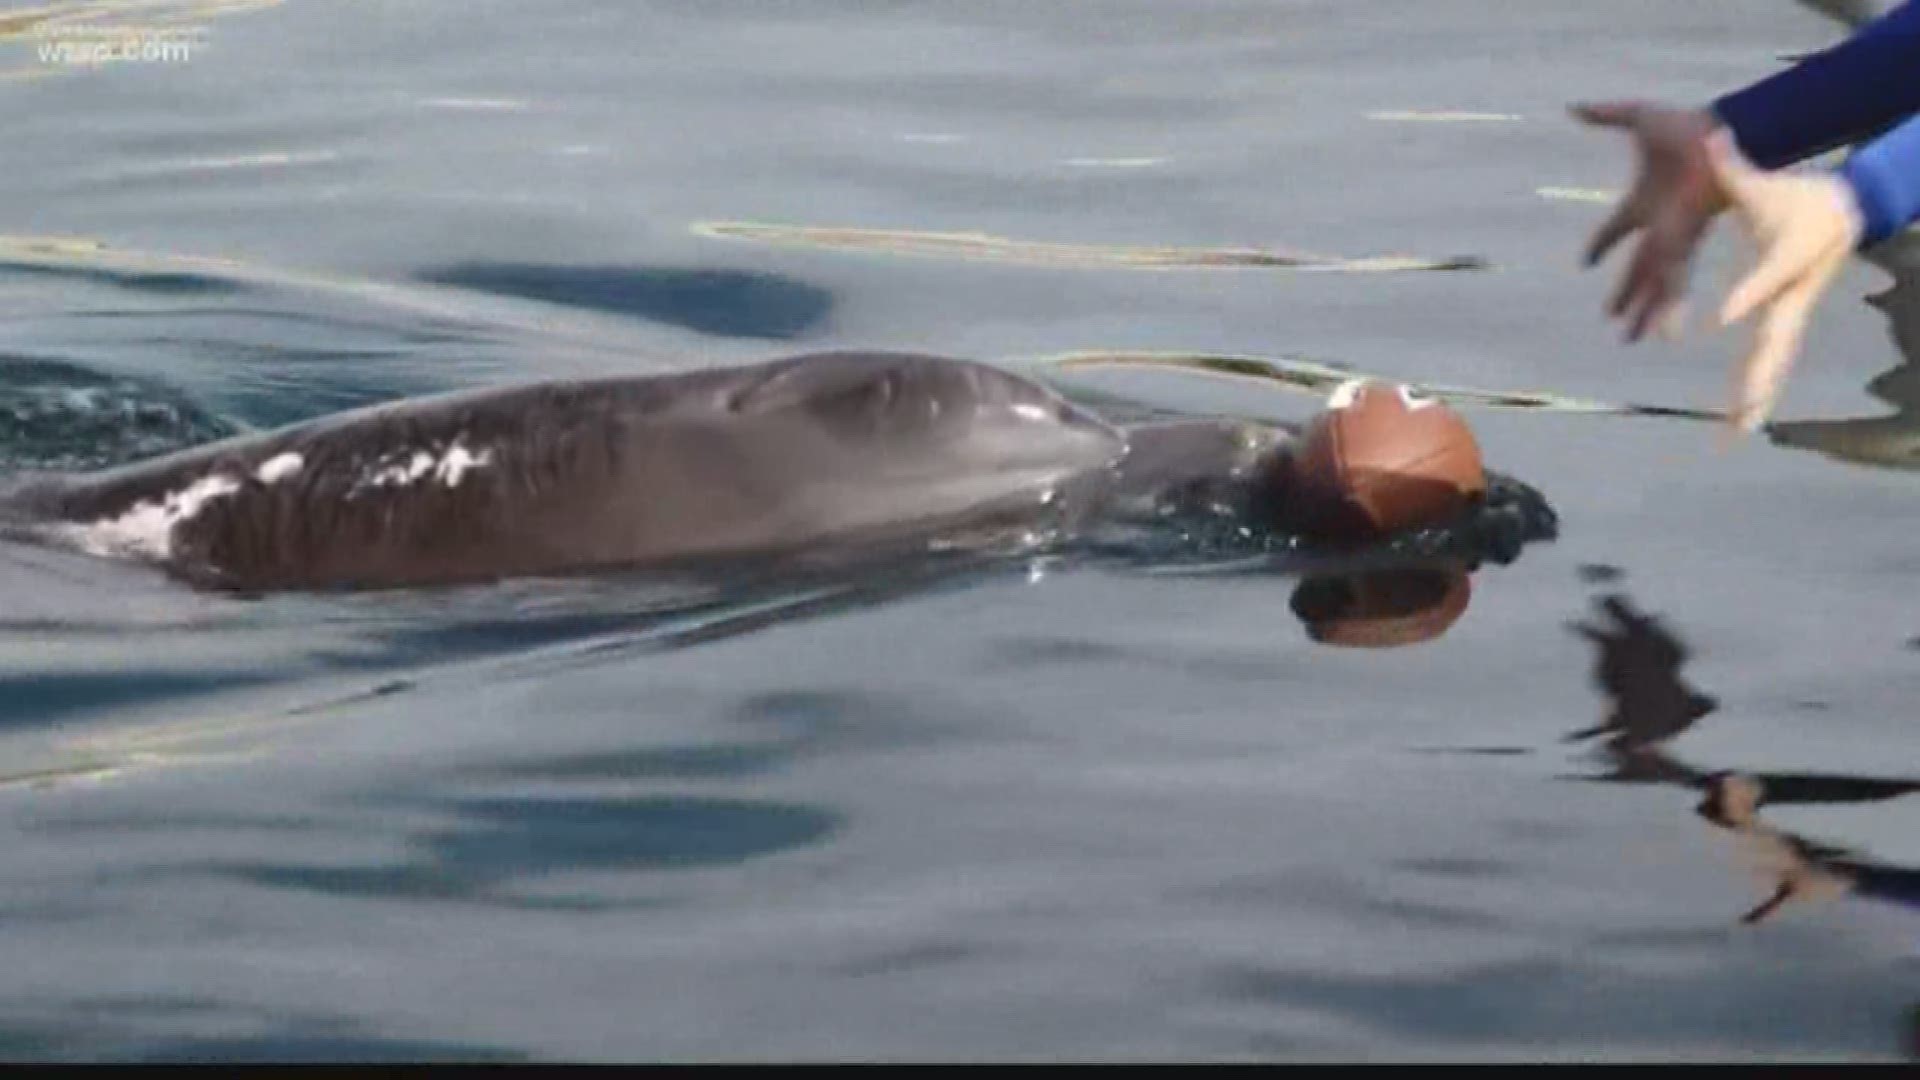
pixel 1638 668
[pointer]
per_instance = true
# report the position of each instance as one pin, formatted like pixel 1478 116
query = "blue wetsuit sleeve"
pixel 1839 96
pixel 1885 178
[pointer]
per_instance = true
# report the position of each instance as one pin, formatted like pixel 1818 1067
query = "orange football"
pixel 1383 458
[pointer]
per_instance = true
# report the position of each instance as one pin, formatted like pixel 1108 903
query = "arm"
pixel 1885 178
pixel 1833 98
pixel 1843 94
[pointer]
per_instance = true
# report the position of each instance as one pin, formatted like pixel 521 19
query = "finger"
pixel 1624 291
pixel 1780 267
pixel 1670 321
pixel 1623 221
pixel 1656 296
pixel 1644 279
pixel 1779 338
pixel 1653 300
pixel 1634 279
pixel 1764 373
pixel 1762 377
pixel 1617 114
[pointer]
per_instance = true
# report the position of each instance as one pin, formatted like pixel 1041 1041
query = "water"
pixel 1075 814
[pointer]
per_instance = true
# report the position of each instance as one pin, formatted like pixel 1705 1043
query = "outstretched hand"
pixel 1805 226
pixel 1673 199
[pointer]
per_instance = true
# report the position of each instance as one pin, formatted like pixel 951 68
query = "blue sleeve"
pixel 1885 177
pixel 1839 96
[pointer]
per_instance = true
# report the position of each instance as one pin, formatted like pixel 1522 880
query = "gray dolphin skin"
pixel 823 450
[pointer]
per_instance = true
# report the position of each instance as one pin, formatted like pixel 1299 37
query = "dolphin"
pixel 821 451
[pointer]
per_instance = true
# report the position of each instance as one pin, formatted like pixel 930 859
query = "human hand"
pixel 1673 198
pixel 1805 226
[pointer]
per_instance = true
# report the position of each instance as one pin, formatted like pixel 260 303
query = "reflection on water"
pixel 170 285
pixel 1638 668
pixel 732 303
pixel 981 246
pixel 1884 441
pixel 1384 608
pixel 493 849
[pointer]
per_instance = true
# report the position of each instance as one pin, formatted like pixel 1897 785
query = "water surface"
pixel 1081 814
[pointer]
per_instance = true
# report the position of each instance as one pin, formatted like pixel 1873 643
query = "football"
pixel 1381 459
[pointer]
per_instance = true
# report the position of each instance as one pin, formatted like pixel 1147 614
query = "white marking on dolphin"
pixel 278 468
pixel 147 528
pixel 400 474
pixel 456 463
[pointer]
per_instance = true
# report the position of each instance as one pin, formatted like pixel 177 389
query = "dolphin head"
pixel 846 444
pixel 1007 422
